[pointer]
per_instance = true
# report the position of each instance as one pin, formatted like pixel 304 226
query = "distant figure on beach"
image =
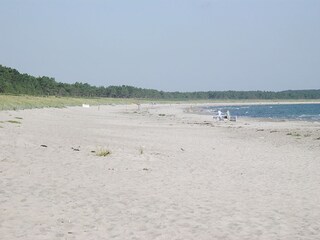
pixel 139 106
pixel 219 116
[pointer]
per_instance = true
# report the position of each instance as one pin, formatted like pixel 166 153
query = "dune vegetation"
pixel 9 102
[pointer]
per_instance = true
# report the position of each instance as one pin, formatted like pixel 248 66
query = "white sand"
pixel 177 176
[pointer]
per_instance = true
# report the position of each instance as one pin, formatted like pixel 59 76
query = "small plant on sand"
pixel 141 150
pixel 14 121
pixel 294 134
pixel 102 152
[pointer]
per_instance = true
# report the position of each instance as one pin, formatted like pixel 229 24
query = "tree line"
pixel 13 82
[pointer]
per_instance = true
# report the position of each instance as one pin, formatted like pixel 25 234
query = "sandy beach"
pixel 171 174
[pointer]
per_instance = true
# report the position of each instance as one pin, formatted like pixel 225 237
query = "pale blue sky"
pixel 183 45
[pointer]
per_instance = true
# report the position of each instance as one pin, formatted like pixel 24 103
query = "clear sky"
pixel 172 45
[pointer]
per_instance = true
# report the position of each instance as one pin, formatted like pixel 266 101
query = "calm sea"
pixel 309 112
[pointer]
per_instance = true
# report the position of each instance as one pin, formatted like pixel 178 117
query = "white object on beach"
pixel 85 105
pixel 228 115
pixel 219 117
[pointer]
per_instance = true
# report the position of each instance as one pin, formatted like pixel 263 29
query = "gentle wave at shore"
pixel 273 111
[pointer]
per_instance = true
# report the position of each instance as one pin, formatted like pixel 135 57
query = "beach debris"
pixel 155 153
pixel 85 105
pixel 260 130
pixel 273 131
pixel 76 149
pixel 318 138
pixel 201 123
pixel 161 114
pixel 145 169
pixel 182 149
pixel 93 151
pixel 42 145
pixel 205 123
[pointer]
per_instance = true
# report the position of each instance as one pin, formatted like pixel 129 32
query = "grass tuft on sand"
pixel 14 121
pixel 102 152
pixel 294 134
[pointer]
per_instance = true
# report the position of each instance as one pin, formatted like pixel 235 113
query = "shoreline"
pixel 201 109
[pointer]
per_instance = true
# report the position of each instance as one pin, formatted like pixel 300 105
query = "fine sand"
pixel 171 174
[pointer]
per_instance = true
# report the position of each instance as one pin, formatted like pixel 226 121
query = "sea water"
pixel 309 112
